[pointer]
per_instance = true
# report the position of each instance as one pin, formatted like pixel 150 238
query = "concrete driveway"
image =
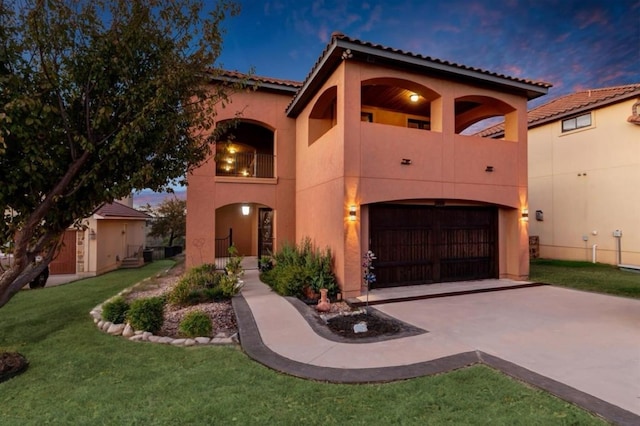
pixel 588 341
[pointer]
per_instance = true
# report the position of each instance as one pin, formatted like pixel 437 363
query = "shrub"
pixel 265 263
pixel 147 314
pixel 195 324
pixel 191 287
pixel 229 285
pixel 115 310
pixel 234 265
pixel 302 267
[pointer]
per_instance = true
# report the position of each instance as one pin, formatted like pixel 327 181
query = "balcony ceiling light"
pixel 414 97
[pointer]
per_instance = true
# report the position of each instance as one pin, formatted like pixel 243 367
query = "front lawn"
pixel 79 375
pixel 597 277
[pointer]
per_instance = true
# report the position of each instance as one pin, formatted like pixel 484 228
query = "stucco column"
pixel 353 152
pixel 201 217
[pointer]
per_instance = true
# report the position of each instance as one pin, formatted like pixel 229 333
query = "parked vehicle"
pixel 6 260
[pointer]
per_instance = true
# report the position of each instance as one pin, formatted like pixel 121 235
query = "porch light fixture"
pixel 525 215
pixel 246 209
pixel 414 97
pixel 352 213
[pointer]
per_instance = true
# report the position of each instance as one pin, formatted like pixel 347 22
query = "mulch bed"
pixel 376 325
pixel 11 364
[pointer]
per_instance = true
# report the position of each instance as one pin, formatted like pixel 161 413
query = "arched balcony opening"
pixel 476 113
pixel 246 150
pixel 399 102
pixel 323 116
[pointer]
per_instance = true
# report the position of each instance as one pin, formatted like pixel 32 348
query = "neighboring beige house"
pixel 370 153
pixel 114 237
pixel 584 175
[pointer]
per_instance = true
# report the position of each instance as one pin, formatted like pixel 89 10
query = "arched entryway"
pixel 248 226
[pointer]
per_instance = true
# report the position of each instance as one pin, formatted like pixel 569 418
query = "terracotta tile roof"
pixel 116 209
pixel 291 85
pixel 440 61
pixel 571 104
pixel 343 47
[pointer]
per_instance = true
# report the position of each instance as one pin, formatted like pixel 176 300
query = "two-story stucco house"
pixel 370 153
pixel 584 175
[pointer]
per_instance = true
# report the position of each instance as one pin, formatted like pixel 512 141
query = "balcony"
pixel 246 165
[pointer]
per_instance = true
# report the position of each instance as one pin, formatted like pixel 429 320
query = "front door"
pixel 265 232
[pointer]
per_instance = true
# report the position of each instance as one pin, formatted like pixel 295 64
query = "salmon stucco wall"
pixel 208 193
pixel 359 163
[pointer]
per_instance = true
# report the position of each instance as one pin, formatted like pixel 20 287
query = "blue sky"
pixel 573 44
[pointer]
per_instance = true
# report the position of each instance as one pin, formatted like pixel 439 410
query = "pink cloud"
pixel 587 18
pixel 513 70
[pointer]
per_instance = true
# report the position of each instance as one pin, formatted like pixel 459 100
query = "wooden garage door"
pixel 65 261
pixel 429 244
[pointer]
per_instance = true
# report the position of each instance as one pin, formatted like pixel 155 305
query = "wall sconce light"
pixel 246 209
pixel 92 234
pixel 406 162
pixel 352 213
pixel 525 215
pixel 414 97
pixel 489 169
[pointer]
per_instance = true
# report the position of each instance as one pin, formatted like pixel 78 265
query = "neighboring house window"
pixel 578 122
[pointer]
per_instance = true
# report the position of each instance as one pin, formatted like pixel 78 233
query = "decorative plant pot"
pixel 323 304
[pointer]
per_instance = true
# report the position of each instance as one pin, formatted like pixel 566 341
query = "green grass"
pixel 79 375
pixel 598 277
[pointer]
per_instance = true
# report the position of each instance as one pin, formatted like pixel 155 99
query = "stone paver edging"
pixel 125 330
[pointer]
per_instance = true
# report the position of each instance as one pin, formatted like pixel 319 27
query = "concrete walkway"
pixel 582 347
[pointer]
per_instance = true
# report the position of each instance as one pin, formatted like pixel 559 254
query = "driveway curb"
pixel 254 347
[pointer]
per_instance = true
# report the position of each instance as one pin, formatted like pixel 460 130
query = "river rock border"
pixel 126 331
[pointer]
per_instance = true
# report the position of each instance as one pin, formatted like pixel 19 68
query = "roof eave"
pixel 326 64
pixel 585 108
pixel 333 55
pixel 532 90
pixel 257 83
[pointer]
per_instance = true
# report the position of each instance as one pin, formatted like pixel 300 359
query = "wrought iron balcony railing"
pixel 247 164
